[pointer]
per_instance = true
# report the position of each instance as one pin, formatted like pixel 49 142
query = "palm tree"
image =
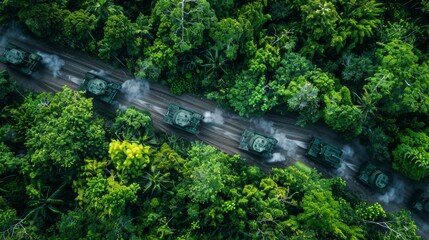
pixel 102 9
pixel 46 205
pixel 215 62
pixel 155 180
pixel 368 104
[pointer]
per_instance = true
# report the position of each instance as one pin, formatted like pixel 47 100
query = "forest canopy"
pixel 359 66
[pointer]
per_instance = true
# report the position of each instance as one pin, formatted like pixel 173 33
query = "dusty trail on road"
pixel 224 135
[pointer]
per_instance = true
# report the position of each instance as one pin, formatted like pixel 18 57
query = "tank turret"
pixel 17 58
pixel 183 118
pixel 374 177
pixel 324 153
pixel 99 87
pixel 257 143
pixel 420 202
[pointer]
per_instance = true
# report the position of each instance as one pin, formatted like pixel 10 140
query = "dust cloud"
pixel 52 62
pixel 75 80
pixel 215 117
pixel 277 157
pixel 135 89
pixel 395 193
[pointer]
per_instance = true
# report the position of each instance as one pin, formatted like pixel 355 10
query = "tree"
pixel 321 212
pixel 251 95
pixel 292 65
pixel 162 61
pixel 80 223
pixel 129 158
pixel 379 144
pixel 411 156
pixel 373 212
pixel 13 228
pixel 399 81
pixel 367 103
pixel 397 225
pixel 8 162
pixel 168 160
pixel 322 20
pixel 121 38
pixel 182 23
pixel 336 25
pixel 107 197
pixel 60 130
pixel 305 100
pixel 102 9
pixel 44 20
pixel 102 196
pixel 45 207
pixel 425 6
pixel 77 29
pixel 254 13
pixel 304 93
pixel 133 125
pixel 208 172
pixel 341 115
pixel 227 33
pixel 356 69
pixel 223 9
pixel 359 19
pixel 155 180
pixel 253 92
pixel 102 205
pixel 216 69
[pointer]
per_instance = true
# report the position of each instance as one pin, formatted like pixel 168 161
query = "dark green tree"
pixel 102 9
pixel 253 92
pixel 411 156
pixel 400 81
pixel 341 115
pixel 77 30
pixel 45 20
pixel 133 124
pixel 182 23
pixel 60 131
pixel 121 38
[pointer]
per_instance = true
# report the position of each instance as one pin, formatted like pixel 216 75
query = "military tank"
pixel 183 118
pixel 420 202
pixel 19 59
pixel 374 177
pixel 257 143
pixel 324 153
pixel 99 87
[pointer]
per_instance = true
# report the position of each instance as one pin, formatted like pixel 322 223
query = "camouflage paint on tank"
pixel 99 87
pixel 257 143
pixel 183 118
pixel 19 59
pixel 326 154
pixel 374 177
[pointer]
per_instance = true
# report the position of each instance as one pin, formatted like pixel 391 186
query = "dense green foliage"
pixel 80 189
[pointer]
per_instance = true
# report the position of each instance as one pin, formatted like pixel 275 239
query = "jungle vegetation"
pixel 360 66
pixel 66 174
